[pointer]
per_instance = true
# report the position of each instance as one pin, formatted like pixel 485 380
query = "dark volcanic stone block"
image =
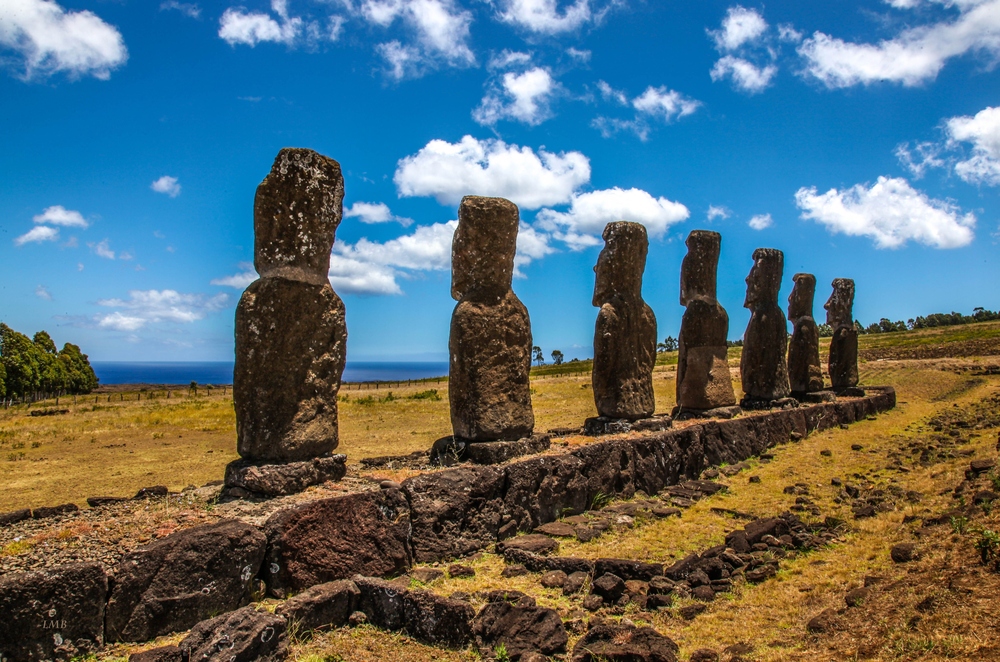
pixel 421 614
pixel 520 626
pixel 244 635
pixel 454 512
pixel 53 614
pixel 171 584
pixel 497 452
pixel 321 541
pixel 281 479
pixel 322 606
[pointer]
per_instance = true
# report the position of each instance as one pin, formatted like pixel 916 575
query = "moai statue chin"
pixel 703 379
pixel 625 333
pixel 290 331
pixel 763 365
pixel 490 343
pixel 805 374
pixel 844 344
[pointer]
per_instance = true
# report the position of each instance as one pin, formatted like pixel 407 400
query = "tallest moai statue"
pixel 290 331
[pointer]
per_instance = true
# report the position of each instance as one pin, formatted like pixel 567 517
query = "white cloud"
pixel 449 171
pixel 740 26
pixel 983 132
pixel 102 249
pixel 761 222
pixel 524 97
pixel 441 27
pixel 59 215
pixel 374 212
pixel 167 184
pixel 238 281
pixel 507 59
pixel 746 75
pixel 891 212
pixel 590 212
pixel 251 28
pixel 923 156
pixel 145 307
pixel 578 54
pixel 655 103
pixel 532 244
pixel 48 40
pixel 664 103
pixel 913 57
pixel 37 235
pixel 715 212
pixel 189 9
pixel 43 293
pixel 369 267
pixel 543 16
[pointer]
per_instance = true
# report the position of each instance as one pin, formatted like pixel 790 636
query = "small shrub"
pixel 600 500
pixel 430 394
pixel 17 445
pixel 14 457
pixel 988 546
pixel 995 480
pixel 959 525
pixel 36 444
pixel 500 653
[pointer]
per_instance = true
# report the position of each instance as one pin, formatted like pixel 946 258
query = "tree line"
pixel 32 368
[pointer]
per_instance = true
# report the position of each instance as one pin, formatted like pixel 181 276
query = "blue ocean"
pixel 221 372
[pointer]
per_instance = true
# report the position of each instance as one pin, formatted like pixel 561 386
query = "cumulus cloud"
pixel 746 75
pixel 656 103
pixel 102 249
pixel 916 55
pixel 42 292
pixel 369 267
pixel 374 212
pixel 544 17
pixel 168 185
pixel 189 9
pixel 983 132
pixel 589 212
pixel 715 212
pixel 922 156
pixel 747 59
pixel 740 26
pixel 37 235
pixel 761 222
pixel 144 307
pixel 891 212
pixel 47 40
pixel 59 215
pixel 238 26
pixel 525 97
pixel 448 171
pixel 532 244
pixel 441 28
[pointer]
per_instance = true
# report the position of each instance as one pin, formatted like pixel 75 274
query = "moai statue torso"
pixel 763 366
pixel 290 331
pixel 490 342
pixel 625 333
pixel 805 375
pixel 844 344
pixel 703 380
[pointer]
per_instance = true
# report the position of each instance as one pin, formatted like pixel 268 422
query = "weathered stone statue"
pixel 625 333
pixel 763 365
pixel 703 380
pixel 805 375
pixel 490 340
pixel 290 331
pixel 844 345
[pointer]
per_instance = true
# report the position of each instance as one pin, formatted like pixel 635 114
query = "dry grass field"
pixel 940 607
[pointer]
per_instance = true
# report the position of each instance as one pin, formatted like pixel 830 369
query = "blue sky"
pixel 861 138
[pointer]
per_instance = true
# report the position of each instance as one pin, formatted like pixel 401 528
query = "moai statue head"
pixel 482 252
pixel 840 306
pixel 764 280
pixel 296 212
pixel 698 270
pixel 621 263
pixel 800 301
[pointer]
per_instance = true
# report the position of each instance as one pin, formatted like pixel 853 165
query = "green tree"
pixel 21 362
pixel 537 356
pixel 557 357
pixel 53 375
pixel 669 344
pixel 3 380
pixel 80 375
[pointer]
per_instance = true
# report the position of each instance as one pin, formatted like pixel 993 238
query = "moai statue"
pixel 844 344
pixel 490 342
pixel 703 380
pixel 625 333
pixel 805 375
pixel 763 366
pixel 290 331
